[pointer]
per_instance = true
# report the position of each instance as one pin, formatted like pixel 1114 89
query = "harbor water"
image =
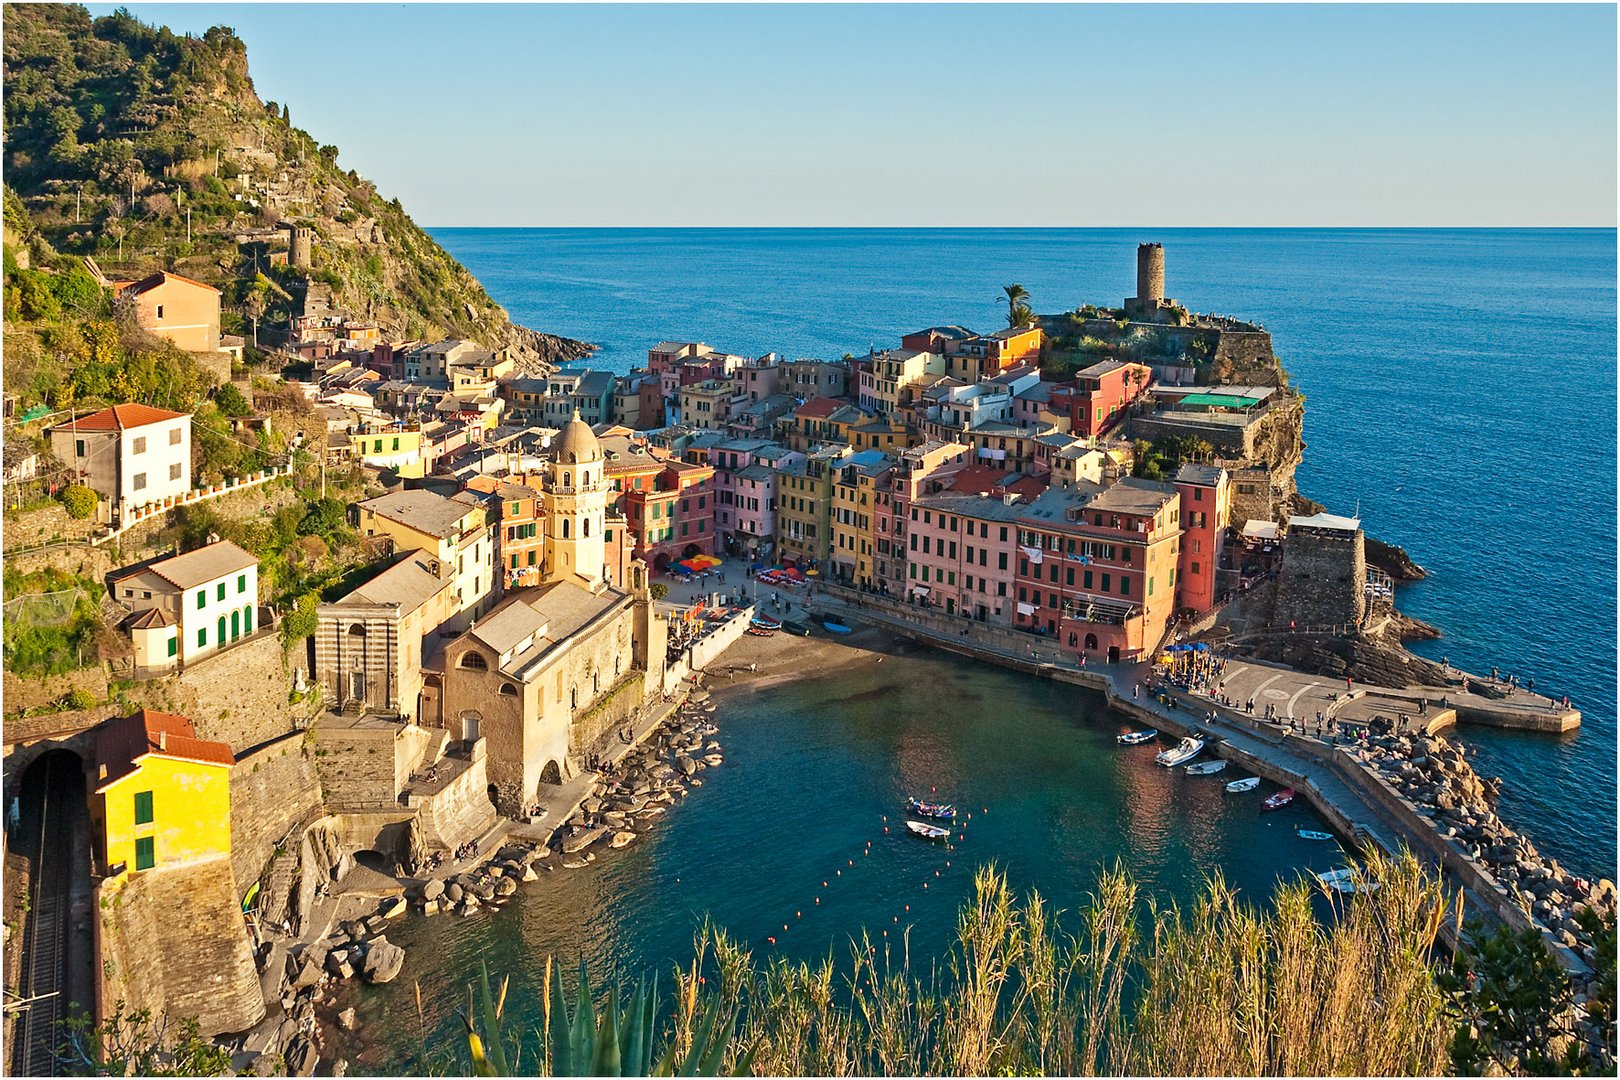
pixel 813 790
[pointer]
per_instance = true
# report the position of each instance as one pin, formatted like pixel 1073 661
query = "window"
pixel 175 437
pixel 174 644
pixel 202 599
pixel 474 661
pixel 174 471
pixel 160 311
pixel 221 591
pixel 1195 568
pixel 202 636
pixel 78 447
pixel 143 808
pixel 1085 580
pixel 138 446
pixel 139 483
pixel 145 853
pixel 1124 586
pixel 241 583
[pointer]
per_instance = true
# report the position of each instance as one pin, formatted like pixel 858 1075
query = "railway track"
pixel 44 967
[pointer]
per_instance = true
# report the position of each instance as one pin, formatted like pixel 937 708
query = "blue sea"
pixel 1461 399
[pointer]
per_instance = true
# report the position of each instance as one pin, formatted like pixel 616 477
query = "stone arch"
pixel 552 773
pixel 661 561
pixel 565 528
pixel 1091 643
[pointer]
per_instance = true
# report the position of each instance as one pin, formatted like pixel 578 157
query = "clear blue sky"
pixel 920 115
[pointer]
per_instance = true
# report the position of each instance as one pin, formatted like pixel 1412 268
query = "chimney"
pixel 163 740
pixel 1009 497
pixel 213 538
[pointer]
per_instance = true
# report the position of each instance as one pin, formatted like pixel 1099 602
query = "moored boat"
pixel 1237 787
pixel 797 629
pixel 760 631
pixel 1205 768
pixel 1135 738
pixel 1181 753
pixel 1313 834
pixel 928 832
pixel 1346 880
pixel 942 811
pixel 765 622
pixel 837 627
pixel 1278 800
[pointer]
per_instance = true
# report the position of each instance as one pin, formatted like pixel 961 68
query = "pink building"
pixel 918 470
pixel 962 553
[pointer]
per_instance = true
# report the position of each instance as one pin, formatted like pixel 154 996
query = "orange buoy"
pixel 772 940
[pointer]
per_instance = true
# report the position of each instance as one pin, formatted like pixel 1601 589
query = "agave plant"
pixel 576 1042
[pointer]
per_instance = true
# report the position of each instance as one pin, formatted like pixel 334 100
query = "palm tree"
pixel 1018 312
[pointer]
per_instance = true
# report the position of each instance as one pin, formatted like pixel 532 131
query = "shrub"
pixel 79 501
pixel 659 590
pixel 79 698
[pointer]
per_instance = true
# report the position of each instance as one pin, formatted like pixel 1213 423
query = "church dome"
pixel 578 444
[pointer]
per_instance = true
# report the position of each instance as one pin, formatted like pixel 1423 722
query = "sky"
pixel 924 115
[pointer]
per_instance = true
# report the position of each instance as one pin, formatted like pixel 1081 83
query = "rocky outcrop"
pixel 1373 661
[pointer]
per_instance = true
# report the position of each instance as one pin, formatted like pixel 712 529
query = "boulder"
pixel 393 908
pixel 302 1057
pixel 506 886
pixel 430 907
pixel 484 890
pixel 344 864
pixel 346 1019
pixel 453 892
pixel 433 889
pixel 340 1067
pixel 581 840
pixel 337 962
pixel 309 973
pixel 374 924
pixel 383 960
pixel 530 875
pixel 266 1065
pixel 687 766
pixel 623 839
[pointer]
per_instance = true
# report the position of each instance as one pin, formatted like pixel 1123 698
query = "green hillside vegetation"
pixel 148 149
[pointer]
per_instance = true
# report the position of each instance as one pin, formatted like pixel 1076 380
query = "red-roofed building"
pixel 162 795
pixel 1097 397
pixel 133 455
pixel 177 309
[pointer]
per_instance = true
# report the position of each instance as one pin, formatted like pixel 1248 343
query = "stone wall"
pixel 173 941
pixel 595 727
pixel 358 763
pixel 1245 358
pixel 460 812
pixel 1322 580
pixel 273 787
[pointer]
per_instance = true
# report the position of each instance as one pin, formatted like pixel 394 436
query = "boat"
pixel 1134 738
pixel 760 631
pixel 1237 787
pixel 1206 768
pixel 765 622
pixel 928 832
pixel 1313 834
pixel 1344 880
pixel 797 629
pixel 837 627
pixel 1278 800
pixel 1181 753
pixel 942 811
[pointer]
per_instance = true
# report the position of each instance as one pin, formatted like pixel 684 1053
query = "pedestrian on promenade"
pixel 1349 683
pixel 1530 685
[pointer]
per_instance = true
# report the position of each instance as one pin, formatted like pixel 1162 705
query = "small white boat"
pixel 1181 753
pixel 1344 880
pixel 1237 787
pixel 1313 834
pixel 1206 768
pixel 1133 738
pixel 929 832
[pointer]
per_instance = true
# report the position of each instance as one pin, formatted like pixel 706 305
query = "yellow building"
pixel 454 533
pixel 854 504
pixel 389 447
pixel 162 797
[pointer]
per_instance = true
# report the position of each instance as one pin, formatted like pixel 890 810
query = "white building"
pixel 189 606
pixel 134 455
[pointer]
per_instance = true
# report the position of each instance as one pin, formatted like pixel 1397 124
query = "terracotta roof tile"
pixel 120 418
pixel 123 741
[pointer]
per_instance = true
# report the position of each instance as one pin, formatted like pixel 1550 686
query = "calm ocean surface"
pixel 1461 393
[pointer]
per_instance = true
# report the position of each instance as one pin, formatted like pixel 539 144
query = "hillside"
pixel 148 149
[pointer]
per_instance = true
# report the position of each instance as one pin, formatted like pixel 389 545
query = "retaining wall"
pixel 273 787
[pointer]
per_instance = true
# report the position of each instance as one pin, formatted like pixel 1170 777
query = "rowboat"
pixel 837 628
pixel 942 811
pixel 1237 787
pixel 1314 834
pixel 928 832
pixel 1344 880
pixel 1133 738
pixel 797 629
pixel 1206 768
pixel 1181 753
pixel 765 622
pixel 1278 800
pixel 760 631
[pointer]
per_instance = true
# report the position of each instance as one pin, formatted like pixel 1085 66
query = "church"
pixel 558 665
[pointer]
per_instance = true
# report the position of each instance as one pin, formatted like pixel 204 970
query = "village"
pixel 557 559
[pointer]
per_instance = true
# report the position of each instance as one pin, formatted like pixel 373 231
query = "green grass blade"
pixel 606 1061
pixel 584 1032
pixel 562 1061
pixel 495 1045
pixel 632 1035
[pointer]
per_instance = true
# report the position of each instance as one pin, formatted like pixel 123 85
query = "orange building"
pixel 1206 511
pixel 985 355
pixel 175 308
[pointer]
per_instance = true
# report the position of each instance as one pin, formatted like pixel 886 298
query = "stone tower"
pixel 1323 579
pixel 576 503
pixel 1150 273
pixel 300 246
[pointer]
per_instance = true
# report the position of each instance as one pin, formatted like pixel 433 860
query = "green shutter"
pixel 143 808
pixel 221 593
pixel 202 636
pixel 202 599
pixel 174 643
pixel 145 853
pixel 241 583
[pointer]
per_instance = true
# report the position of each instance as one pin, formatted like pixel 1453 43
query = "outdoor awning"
pixel 1217 401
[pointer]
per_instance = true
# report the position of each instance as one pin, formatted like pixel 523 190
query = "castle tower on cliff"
pixel 301 247
pixel 1149 296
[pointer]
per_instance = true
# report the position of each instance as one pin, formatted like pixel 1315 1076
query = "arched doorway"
pixel 1113 654
pixel 551 774
pixel 247 619
pixel 661 562
pixel 236 625
pixel 471 721
pixel 221 638
pixel 374 860
pixel 1091 643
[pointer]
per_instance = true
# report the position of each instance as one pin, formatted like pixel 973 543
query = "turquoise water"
pixel 812 769
pixel 1460 383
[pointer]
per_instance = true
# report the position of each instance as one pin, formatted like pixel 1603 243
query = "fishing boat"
pixel 942 811
pixel 1135 738
pixel 760 631
pixel 1278 800
pixel 765 622
pixel 1206 768
pixel 797 629
pixel 1344 880
pixel 928 832
pixel 1181 753
pixel 1313 834
pixel 837 627
pixel 1237 787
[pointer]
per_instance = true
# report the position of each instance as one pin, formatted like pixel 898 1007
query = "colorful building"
pixel 1098 396
pixel 1206 511
pixel 188 606
pixel 162 796
pixel 132 455
pixel 856 482
pixel 455 533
